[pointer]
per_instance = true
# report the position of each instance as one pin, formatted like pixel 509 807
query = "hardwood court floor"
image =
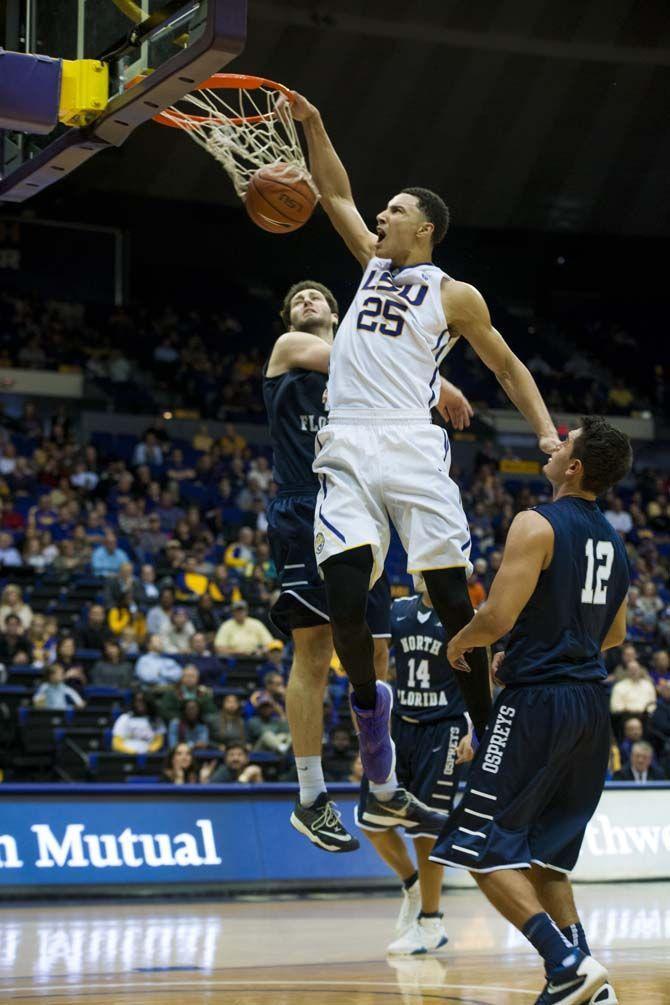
pixel 313 952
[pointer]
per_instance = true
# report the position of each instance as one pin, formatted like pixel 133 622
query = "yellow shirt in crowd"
pixel 246 637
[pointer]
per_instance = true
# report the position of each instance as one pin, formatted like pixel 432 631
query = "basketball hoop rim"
pixel 218 82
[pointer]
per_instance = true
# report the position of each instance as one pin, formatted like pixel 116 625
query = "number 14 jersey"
pixel 558 635
pixel 425 689
pixel 390 344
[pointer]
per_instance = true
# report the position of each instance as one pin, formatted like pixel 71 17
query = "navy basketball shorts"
pixel 535 782
pixel 302 599
pixel 425 765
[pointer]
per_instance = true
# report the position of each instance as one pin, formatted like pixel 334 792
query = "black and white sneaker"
pixel 403 810
pixel 574 981
pixel 320 822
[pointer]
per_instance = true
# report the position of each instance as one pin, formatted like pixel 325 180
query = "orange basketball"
pixel 279 198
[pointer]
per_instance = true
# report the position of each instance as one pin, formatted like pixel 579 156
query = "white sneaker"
pixel 409 909
pixel 424 936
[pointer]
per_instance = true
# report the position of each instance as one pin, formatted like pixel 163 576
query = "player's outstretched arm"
pixel 333 183
pixel 467 315
pixel 528 550
pixel 299 351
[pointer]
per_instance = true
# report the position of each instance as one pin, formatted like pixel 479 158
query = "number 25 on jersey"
pixel 603 555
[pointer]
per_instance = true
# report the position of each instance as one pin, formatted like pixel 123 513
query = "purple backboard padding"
pixel 222 40
pixel 29 92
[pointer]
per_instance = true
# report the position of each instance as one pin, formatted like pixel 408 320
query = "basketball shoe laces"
pixel 329 819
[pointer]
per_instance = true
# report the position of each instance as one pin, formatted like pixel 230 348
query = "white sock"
pixel 310 779
pixel 384 792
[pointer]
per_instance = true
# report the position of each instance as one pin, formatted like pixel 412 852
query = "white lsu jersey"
pixel 389 346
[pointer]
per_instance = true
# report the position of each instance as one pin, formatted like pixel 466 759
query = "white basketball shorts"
pixel 373 466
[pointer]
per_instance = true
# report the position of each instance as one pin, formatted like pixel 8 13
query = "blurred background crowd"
pixel 135 586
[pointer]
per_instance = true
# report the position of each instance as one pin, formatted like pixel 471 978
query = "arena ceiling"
pixel 548 114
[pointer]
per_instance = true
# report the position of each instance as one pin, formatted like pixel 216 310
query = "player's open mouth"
pixel 381 234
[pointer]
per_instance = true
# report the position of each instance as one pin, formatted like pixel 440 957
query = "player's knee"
pixel 313 651
pixel 448 590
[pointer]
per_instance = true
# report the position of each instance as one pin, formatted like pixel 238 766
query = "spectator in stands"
pixel 113 670
pixel 74 671
pixel 641 769
pixel 181 769
pixel 229 726
pixel 10 518
pixel 660 665
pixel 232 442
pixel 338 755
pixel 82 546
pixel 223 587
pixel 255 590
pixel 275 686
pixel 95 632
pixel 38 636
pixel 618 517
pixel 273 668
pixel 268 729
pixel 620 399
pixel 152 540
pixel 168 511
pixel 177 639
pixel 242 635
pixel 236 767
pixel 15 648
pixel 633 731
pixel 138 731
pixel 127 617
pixel 32 555
pixel 634 693
pixel 628 654
pixel 148 451
pixel 67 559
pixel 108 558
pixel 205 618
pixel 122 585
pixel 159 618
pixel 650 604
pixel 187 688
pixel 11 602
pixel 189 728
pixel 154 668
pixel 241 553
pixel 54 693
pixel 147 590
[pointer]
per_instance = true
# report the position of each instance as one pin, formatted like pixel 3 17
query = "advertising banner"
pixel 79 836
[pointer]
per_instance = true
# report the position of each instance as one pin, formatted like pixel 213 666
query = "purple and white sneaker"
pixel 377 749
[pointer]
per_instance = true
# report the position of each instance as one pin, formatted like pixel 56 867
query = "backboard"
pixel 181 42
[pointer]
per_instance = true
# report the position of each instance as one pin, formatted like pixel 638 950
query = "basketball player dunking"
pixel 379 455
pixel 538 776
pixel 293 389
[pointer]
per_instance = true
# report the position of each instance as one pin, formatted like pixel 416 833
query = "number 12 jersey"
pixel 559 634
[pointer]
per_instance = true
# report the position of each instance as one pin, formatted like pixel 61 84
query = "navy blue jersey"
pixel 560 631
pixel 425 688
pixel 296 412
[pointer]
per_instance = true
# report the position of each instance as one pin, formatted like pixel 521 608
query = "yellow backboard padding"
pixel 84 90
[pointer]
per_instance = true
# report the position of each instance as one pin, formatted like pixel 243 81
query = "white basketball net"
pixel 242 147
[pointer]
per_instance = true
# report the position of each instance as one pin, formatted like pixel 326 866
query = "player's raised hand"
pixel 453 406
pixel 300 108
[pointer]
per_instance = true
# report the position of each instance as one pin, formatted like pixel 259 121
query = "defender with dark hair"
pixel 380 458
pixel 537 778
pixel 293 389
